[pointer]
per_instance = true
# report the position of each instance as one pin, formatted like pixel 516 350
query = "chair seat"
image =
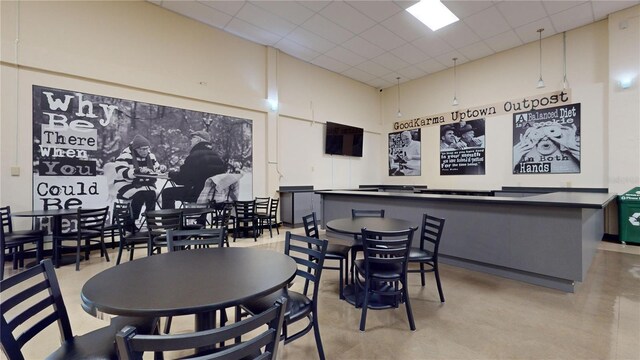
pixel 381 271
pixel 23 234
pixel 135 239
pixel 417 254
pixel 86 233
pixel 337 251
pixel 298 305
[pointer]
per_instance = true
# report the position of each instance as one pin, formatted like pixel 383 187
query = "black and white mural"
pixel 91 150
pixel 462 148
pixel 404 153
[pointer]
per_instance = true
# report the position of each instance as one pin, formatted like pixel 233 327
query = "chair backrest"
pixel 92 219
pixel 245 209
pixel 309 254
pixel 163 220
pixel 132 346
pixel 123 217
pixel 116 207
pixel 38 303
pixel 431 232
pixel 223 215
pixel 5 218
pixel 273 208
pixel 180 239
pixel 262 205
pixel 367 213
pixel 311 225
pixel 386 247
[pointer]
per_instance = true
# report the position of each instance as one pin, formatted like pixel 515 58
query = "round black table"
pixel 196 282
pixel 354 226
pixel 56 228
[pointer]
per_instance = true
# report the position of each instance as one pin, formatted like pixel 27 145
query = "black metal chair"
pixel 384 266
pixel 427 253
pixel 130 238
pixel 89 228
pixel 31 301
pixel 222 218
pixel 191 239
pixel 270 218
pixel 245 215
pixel 158 223
pixel 111 227
pixel 357 238
pixel 336 252
pixel 15 241
pixel 132 346
pixel 309 254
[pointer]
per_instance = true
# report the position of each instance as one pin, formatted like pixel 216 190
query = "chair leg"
pixel 40 249
pixel 120 248
pixel 2 264
pixel 422 273
pixel 341 284
pixel 407 304
pixel 365 305
pixel 78 246
pixel 131 250
pixel 316 333
pixel 270 228
pixel 103 247
pixel 437 274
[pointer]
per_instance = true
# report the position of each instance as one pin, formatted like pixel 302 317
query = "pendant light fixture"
pixel 455 78
pixel 565 82
pixel 399 114
pixel 540 81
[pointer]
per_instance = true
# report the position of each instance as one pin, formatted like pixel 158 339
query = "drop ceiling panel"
pixel 518 13
pixel 573 18
pixel 348 17
pixel 382 37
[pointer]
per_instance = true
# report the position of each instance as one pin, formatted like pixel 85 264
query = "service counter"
pixel 545 239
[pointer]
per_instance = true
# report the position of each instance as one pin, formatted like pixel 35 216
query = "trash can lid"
pixel 631 195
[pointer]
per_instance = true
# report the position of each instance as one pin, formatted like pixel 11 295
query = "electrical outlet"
pixel 15 171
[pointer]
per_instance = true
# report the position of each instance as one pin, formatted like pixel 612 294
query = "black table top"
pixel 41 212
pixel 354 226
pixel 187 282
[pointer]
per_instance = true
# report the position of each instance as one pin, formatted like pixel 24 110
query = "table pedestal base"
pixel 376 301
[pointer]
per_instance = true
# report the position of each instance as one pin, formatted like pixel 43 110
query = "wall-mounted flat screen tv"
pixel 343 140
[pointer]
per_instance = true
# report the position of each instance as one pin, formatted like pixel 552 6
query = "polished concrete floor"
pixel 484 316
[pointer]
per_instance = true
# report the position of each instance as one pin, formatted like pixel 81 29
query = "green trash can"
pixel 629 207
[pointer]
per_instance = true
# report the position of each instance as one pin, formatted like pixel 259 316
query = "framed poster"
pixel 91 151
pixel 547 141
pixel 462 148
pixel 404 153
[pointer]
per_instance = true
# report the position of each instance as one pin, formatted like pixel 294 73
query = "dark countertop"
pixel 557 199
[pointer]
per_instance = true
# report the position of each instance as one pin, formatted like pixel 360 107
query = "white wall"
pixel 139 51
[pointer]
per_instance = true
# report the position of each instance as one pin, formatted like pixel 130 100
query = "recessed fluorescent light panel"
pixel 432 13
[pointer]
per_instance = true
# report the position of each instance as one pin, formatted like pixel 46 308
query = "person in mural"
pixel 448 139
pixel 468 136
pixel 557 145
pixel 201 163
pixel 135 161
pixel 410 154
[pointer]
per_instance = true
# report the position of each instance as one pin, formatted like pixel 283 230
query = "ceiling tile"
pixel 358 74
pixel 447 59
pixel 390 61
pixel 406 26
pixel 431 66
pixel 411 72
pixel 410 54
pixel 296 50
pixel 290 10
pixel 476 51
pixel 265 20
pixel 382 37
pixel 432 46
pixel 528 33
pixel 458 35
pixel 373 68
pixel 199 12
pixel 363 47
pixel 504 41
pixel 227 7
pixel 519 13
pixel 463 9
pixel 319 25
pixel 553 7
pixel 376 10
pixel 310 40
pixel 603 8
pixel 330 64
pixel 346 56
pixel 314 5
pixel 573 18
pixel 250 32
pixel 380 83
pixel 487 23
pixel 347 17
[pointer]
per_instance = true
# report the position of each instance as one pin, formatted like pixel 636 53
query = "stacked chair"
pixel 15 241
